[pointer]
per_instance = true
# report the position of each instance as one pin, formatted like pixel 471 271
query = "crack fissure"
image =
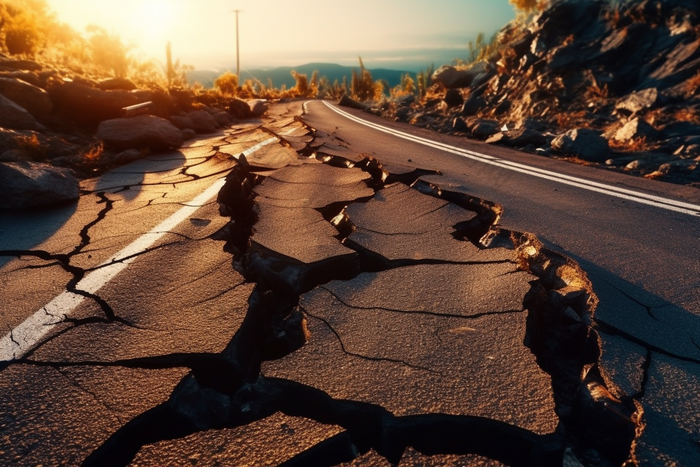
pixel 360 356
pixel 421 312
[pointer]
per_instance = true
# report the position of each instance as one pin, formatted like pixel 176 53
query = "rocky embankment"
pixel 614 86
pixel 57 127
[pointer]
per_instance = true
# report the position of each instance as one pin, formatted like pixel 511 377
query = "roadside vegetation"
pixel 30 30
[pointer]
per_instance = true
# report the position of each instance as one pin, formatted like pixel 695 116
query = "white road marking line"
pixel 24 337
pixel 610 190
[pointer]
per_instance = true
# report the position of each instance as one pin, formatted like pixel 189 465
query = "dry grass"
pixel 686 115
pixel 634 145
pixel 31 145
pixel 595 91
pixel 578 119
pixel 94 151
pixel 693 85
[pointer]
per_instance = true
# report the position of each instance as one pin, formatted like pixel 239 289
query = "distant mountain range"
pixel 283 75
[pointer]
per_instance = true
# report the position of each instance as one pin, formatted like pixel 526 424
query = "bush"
pixel 363 87
pixel 227 83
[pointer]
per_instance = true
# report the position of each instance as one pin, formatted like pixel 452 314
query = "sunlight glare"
pixel 153 20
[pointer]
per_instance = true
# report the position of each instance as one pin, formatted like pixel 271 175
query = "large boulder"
pixel 583 143
pixel 88 106
pixel 222 118
pixel 182 122
pixel 142 131
pixel 113 84
pixel 202 121
pixel 33 184
pixel 35 100
pixel 453 98
pixel 258 107
pixel 239 109
pixel 347 101
pixel 637 101
pixel 15 116
pixel 451 77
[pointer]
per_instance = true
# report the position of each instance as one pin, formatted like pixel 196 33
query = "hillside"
pixel 615 85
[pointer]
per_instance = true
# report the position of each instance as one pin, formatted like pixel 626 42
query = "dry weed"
pixel 94 151
pixel 31 145
pixel 634 145
pixel 692 85
pixel 577 119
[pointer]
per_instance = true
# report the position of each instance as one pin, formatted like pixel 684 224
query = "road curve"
pixel 638 241
pixel 643 231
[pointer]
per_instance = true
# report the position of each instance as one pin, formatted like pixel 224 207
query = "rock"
pixel 239 109
pixel 402 114
pixel 35 100
pixel 406 100
pixel 258 107
pixel 582 143
pixel 141 131
pixel 635 128
pixel 519 137
pixel 485 128
pixel 16 117
pixel 14 155
pixel 635 165
pixel 188 134
pixel 453 98
pixel 113 84
pixel 680 129
pixel 451 77
pixel 459 125
pixel 637 101
pixel 12 64
pixel 88 106
pixel 32 184
pixel 125 157
pixel 202 121
pixel 222 118
pixel 181 121
pixel 346 101
pixel 472 105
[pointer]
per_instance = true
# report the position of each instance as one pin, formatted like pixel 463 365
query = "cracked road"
pixel 345 296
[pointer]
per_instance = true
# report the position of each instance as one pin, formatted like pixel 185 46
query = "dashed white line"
pixel 31 331
pixel 618 192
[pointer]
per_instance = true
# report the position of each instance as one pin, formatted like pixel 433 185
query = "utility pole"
pixel 238 60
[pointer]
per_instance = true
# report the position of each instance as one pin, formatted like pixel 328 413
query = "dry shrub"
pixel 31 145
pixel 686 115
pixel 577 119
pixel 637 144
pixel 94 151
pixel 692 85
pixel 227 83
pixel 597 92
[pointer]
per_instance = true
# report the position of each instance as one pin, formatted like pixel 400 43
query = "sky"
pixel 202 33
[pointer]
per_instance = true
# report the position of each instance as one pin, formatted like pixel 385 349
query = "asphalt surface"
pixel 643 260
pixel 326 312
